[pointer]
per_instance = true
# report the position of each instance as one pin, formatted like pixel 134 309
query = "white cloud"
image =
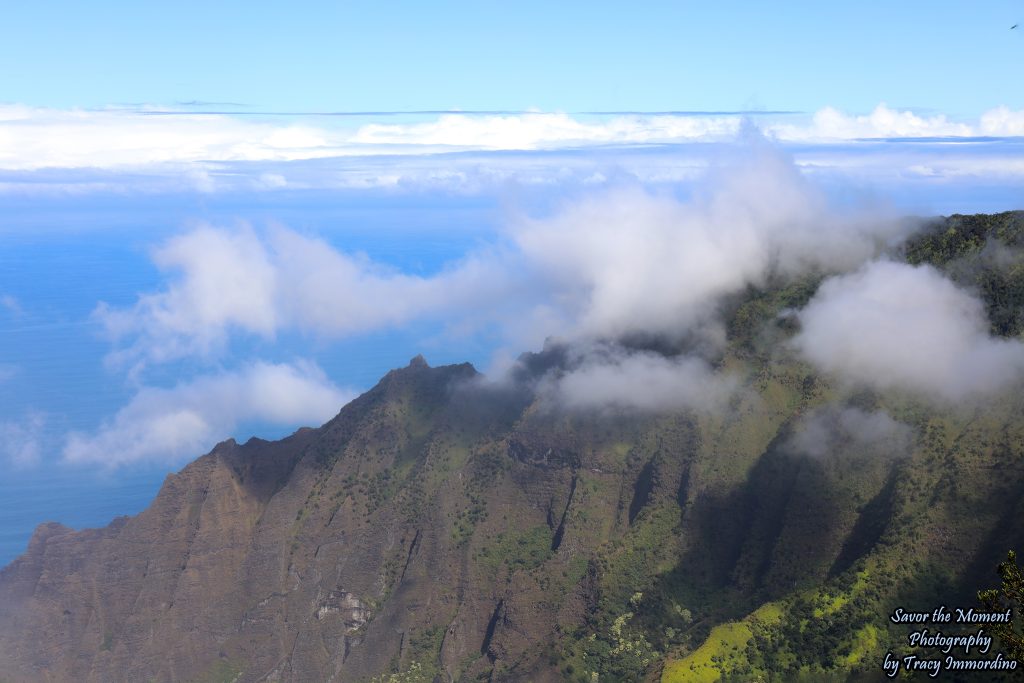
pixel 895 326
pixel 832 430
pixel 236 281
pixel 883 122
pixel 21 441
pixel 170 425
pixel 327 291
pixel 227 281
pixel 613 378
pixel 179 142
pixel 546 130
pixel 630 261
pixel 34 138
pixel 1002 121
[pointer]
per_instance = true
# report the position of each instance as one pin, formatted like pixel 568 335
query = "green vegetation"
pixel 725 650
pixel 1010 595
pixel 982 252
pixel 517 550
pixel 619 653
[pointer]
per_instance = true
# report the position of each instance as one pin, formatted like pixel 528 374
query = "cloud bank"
pixel 75 155
pixel 883 122
pixel 895 326
pixel 34 138
pixel 169 425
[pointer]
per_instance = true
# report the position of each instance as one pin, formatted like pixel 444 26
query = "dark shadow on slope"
pixel 779 530
pixel 871 524
pixel 1007 535
pixel 492 624
pixel 556 540
pixel 642 490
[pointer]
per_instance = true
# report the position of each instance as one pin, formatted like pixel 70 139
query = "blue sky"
pixel 958 58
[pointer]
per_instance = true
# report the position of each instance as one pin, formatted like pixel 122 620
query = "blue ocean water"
pixel 60 257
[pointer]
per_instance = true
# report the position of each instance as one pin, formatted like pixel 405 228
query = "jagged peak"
pixel 419 369
pixel 46 529
pixel 43 532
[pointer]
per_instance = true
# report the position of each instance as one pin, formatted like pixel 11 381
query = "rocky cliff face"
pixel 453 530
pixel 330 555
